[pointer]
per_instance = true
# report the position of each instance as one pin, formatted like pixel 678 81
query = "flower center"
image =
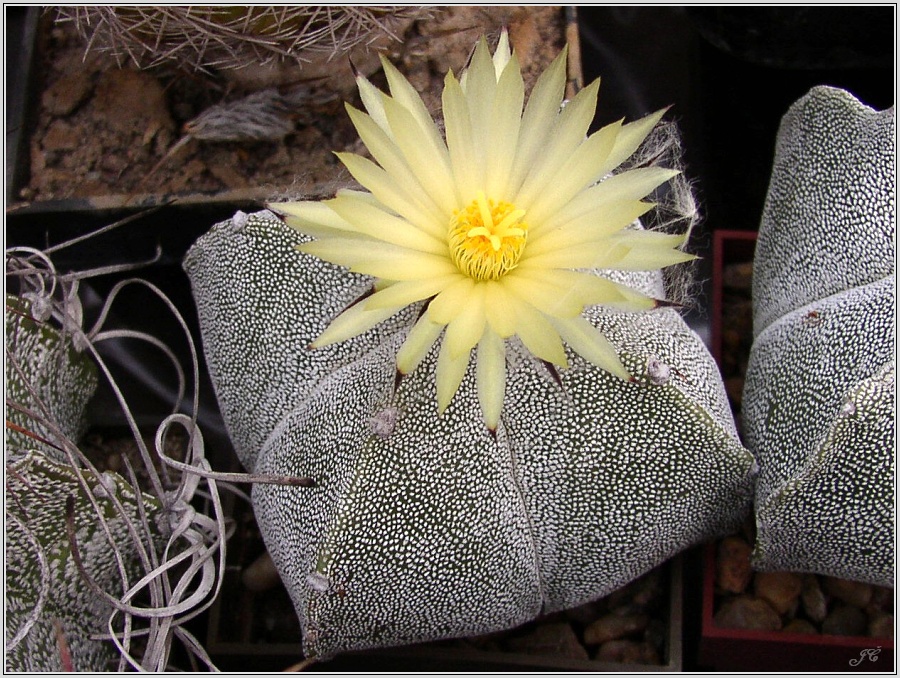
pixel 487 238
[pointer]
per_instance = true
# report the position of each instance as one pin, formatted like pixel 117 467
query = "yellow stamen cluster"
pixel 486 238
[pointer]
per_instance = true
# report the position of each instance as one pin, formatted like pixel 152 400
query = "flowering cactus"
pixel 818 403
pixel 590 439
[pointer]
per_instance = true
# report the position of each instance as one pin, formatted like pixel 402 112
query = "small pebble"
pixel 744 612
pixel 845 620
pixel 638 593
pixel 614 626
pixel 854 593
pixel 627 652
pixel 738 276
pixel 64 96
pixel 733 570
pixel 800 626
pixel 780 589
pixel 585 614
pixel 882 626
pixel 556 639
pixel 882 599
pixel 814 603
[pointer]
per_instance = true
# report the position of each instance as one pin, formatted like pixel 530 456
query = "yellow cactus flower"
pixel 496 224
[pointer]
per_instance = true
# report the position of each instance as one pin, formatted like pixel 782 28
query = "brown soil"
pixel 101 130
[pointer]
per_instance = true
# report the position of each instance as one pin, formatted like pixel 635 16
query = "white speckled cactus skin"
pixel 37 491
pixel 63 379
pixel 818 401
pixel 423 527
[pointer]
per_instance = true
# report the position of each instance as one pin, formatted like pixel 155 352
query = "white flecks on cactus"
pixel 49 606
pixel 828 223
pixel 45 374
pixel 817 413
pixel 442 528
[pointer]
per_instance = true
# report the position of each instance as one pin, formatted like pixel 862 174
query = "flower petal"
pixel 601 222
pixel 594 290
pixel 466 328
pixel 544 291
pixel 390 194
pixel 417 344
pixel 490 375
pixel 376 223
pixel 650 250
pixel 584 167
pixel 540 112
pixel 590 343
pixel 355 320
pixel 631 185
pixel 596 254
pixel 500 311
pixel 505 120
pixel 449 374
pixel 409 291
pixel 372 99
pixel 391 159
pixel 314 219
pixel 379 259
pixel 630 137
pixel 568 133
pixel 502 54
pixel 468 170
pixel 479 87
pixel 430 164
pixel 406 95
pixel 450 303
pixel 538 335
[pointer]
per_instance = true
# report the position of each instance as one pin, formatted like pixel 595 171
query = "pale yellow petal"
pixel 378 259
pixel 490 375
pixel 466 328
pixel 505 120
pixel 630 185
pixel 449 374
pixel 543 290
pixel 407 96
pixel 630 138
pixel 591 344
pixel 417 344
pixel 314 218
pixel 389 156
pixel 499 309
pixel 538 335
pixel 649 250
pixel 449 303
pixel 479 88
pixel 597 254
pixel 430 164
pixel 372 99
pixel 390 194
pixel 379 224
pixel 584 167
pixel 600 223
pixel 468 170
pixel 410 291
pixel 502 54
pixel 537 120
pixel 567 134
pixel 355 320
pixel 593 289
